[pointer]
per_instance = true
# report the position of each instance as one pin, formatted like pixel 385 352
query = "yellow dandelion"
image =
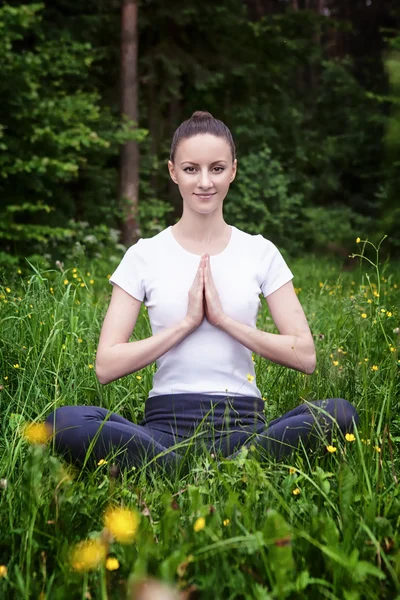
pixel 37 433
pixel 388 313
pixel 88 555
pixel 66 281
pixel 335 363
pixel 350 437
pixel 3 571
pixel 82 285
pixel 377 448
pixel 296 491
pixel 91 281
pixel 250 377
pixel 122 523
pixel 74 270
pixel 74 275
pixel 374 368
pixel 226 522
pixel 138 377
pixel 358 240
pixel 199 524
pixel 292 470
pixel 90 366
pixel 88 274
pixel 101 462
pixel 8 290
pixel 112 563
pixel 363 315
pixel 331 449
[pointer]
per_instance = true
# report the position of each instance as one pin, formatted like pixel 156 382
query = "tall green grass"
pixel 321 525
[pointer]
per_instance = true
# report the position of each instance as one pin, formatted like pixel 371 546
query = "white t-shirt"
pixel 159 272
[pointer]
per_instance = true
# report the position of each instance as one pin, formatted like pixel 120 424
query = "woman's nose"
pixel 205 180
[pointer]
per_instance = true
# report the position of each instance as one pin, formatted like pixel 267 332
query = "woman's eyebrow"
pixel 197 164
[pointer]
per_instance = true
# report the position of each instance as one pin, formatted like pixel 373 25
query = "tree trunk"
pixel 129 163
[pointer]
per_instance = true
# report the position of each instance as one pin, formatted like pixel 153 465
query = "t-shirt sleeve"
pixel 129 274
pixel 274 271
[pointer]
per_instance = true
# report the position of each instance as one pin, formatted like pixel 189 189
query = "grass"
pixel 321 525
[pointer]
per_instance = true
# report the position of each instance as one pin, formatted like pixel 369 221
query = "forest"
pixel 93 92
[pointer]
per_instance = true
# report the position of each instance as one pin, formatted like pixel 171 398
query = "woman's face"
pixel 203 170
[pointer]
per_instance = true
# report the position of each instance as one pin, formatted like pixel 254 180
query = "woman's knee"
pixel 344 413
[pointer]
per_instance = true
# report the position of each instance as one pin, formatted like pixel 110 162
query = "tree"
pixel 129 166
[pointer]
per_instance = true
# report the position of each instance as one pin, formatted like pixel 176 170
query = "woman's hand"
pixel 212 303
pixel 195 311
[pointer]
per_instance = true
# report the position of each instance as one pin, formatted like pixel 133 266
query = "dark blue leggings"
pixel 175 426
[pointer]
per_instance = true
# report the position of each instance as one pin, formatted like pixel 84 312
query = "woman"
pixel 200 281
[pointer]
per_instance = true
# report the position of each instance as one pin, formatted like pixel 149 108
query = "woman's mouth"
pixel 205 196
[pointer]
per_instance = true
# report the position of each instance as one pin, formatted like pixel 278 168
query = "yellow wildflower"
pixel 368 442
pixel 112 563
pixel 122 523
pixel 392 349
pixel 90 366
pixel 331 449
pixel 250 377
pixel 296 491
pixel 335 363
pixel 19 271
pixel 376 294
pixel 374 368
pixel 82 285
pixel 363 315
pixel 37 433
pixel 91 281
pixel 108 276
pixel 292 470
pixel 377 448
pixel 358 240
pixel 350 437
pixel 101 462
pixel 366 359
pixel 8 290
pixel 138 377
pixel 226 522
pixel 80 340
pixel 88 555
pixel 66 281
pixel 88 274
pixel 74 275
pixel 199 524
pixel 3 571
pixel 369 301
pixel 74 270
pixel 388 313
pixel 16 366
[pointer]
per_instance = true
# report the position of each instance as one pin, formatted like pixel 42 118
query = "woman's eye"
pixel 186 169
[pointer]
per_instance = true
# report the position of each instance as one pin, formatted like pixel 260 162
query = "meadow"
pixel 324 524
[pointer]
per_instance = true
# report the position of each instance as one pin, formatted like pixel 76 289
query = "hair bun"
pixel 201 114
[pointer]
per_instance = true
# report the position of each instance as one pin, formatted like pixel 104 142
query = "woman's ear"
pixel 234 170
pixel 172 171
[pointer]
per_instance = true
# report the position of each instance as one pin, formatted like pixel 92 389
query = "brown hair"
pixel 201 122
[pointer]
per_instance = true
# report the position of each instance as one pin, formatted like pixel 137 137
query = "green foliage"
pixel 261 201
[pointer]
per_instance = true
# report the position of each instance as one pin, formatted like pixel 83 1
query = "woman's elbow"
pixel 101 374
pixel 311 363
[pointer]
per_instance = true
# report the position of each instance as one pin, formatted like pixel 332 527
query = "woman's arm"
pixel 116 356
pixel 293 347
